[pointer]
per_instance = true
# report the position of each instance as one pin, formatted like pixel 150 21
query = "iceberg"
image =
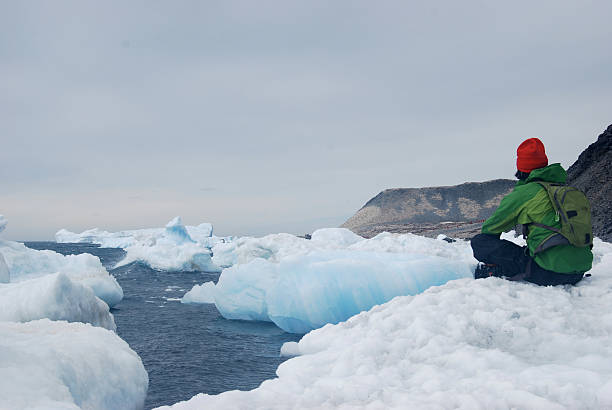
pixel 19 263
pixel 305 292
pixel 57 341
pixel 55 297
pixel 123 239
pixel 24 263
pixel 48 364
pixel 45 284
pixel 200 294
pixel 174 247
pixel 301 284
pixel 479 344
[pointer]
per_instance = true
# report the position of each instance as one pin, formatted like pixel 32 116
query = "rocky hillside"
pixel 592 173
pixel 457 211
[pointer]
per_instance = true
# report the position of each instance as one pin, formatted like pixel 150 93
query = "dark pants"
pixel 513 260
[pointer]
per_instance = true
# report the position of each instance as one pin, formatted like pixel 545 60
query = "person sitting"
pixel 529 205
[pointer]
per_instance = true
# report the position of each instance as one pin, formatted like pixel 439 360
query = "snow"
pixel 276 247
pixel 203 293
pixel 24 263
pixel 467 344
pixel 175 247
pixel 59 365
pixel 55 297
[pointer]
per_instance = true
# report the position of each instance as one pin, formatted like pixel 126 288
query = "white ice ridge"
pixel 24 264
pixel 58 365
pixel 302 284
pixel 276 247
pixel 467 344
pixel 55 297
pixel 127 238
pixel 174 247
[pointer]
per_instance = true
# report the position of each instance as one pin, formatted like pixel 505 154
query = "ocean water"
pixel 186 349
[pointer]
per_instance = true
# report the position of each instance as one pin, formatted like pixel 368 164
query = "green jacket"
pixel 529 202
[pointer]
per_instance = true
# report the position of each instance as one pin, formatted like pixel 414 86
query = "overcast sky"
pixel 270 116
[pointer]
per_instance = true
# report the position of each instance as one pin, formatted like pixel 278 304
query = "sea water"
pixel 186 349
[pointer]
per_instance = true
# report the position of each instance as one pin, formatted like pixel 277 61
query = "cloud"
pixel 117 114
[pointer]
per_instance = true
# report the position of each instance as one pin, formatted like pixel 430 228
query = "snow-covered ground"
pixel 466 344
pixel 172 248
pixel 47 362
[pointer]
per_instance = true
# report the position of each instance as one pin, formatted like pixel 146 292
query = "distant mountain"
pixel 458 211
pixel 592 173
pixel 454 210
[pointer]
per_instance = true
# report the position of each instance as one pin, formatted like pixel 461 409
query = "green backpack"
pixel 573 210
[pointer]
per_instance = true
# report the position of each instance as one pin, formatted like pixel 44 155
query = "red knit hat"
pixel 530 155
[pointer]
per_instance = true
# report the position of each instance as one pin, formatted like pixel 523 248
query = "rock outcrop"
pixel 592 173
pixel 457 211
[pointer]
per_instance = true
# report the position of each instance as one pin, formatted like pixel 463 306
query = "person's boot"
pixel 486 270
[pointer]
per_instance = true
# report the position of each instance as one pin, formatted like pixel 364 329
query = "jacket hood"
pixel 550 173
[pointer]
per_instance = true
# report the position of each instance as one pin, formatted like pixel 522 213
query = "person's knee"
pixel 483 240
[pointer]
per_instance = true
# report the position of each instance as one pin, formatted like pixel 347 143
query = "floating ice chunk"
pixel 25 263
pixel 51 365
pixel 337 237
pixel 55 297
pixel 105 239
pixel 203 293
pixel 307 291
pixel 175 247
pixel 169 257
pixel 3 222
pixel 290 349
pixel 467 344
pixel 174 231
pixel 303 284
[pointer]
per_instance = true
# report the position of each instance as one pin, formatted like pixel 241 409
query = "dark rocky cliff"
pixel 592 173
pixel 454 210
